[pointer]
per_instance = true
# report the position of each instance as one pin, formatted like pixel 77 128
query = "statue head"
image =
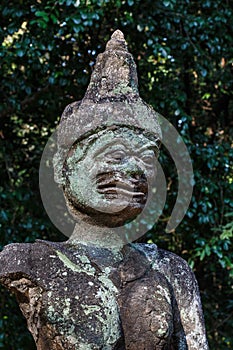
pixel 106 175
pixel 108 143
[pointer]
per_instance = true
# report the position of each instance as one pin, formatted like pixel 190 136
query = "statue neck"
pixel 104 237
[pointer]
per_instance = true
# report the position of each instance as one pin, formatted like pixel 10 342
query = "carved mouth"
pixel 116 186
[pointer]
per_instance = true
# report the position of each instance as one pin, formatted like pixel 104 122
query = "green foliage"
pixel 183 50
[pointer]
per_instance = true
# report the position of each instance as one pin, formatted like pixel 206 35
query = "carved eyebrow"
pixel 149 146
pixel 113 143
pixel 119 142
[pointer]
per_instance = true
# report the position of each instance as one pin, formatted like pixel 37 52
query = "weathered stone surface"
pixel 115 74
pixel 111 99
pixel 94 291
pixel 86 297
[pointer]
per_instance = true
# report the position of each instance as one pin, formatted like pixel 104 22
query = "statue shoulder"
pixel 14 259
pixel 20 260
pixel 173 267
pixel 176 269
pixel 148 249
pixel 182 280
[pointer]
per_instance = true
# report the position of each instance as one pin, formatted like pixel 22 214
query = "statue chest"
pixel 105 308
pixel 79 303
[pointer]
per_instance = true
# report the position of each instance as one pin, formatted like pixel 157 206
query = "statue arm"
pixel 17 273
pixel 189 308
pixel 191 318
pixel 189 327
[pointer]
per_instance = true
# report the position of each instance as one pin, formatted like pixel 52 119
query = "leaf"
pixel 43 15
pixel 53 18
pixel 202 255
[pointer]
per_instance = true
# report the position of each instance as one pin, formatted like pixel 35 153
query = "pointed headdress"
pixel 112 98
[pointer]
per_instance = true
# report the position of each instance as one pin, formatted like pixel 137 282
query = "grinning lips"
pixel 113 184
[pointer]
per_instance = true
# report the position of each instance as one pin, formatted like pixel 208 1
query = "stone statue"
pixel 96 291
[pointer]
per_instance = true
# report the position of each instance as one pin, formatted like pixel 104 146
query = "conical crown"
pixel 111 99
pixel 115 73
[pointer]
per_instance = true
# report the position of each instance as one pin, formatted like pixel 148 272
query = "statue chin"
pixel 112 212
pixel 108 204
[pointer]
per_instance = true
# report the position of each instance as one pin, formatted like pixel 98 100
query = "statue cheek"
pixel 151 174
pixel 77 181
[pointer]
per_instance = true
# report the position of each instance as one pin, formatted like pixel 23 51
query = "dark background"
pixel 183 51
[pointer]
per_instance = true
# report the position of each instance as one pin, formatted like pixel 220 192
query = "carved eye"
pixel 115 156
pixel 148 158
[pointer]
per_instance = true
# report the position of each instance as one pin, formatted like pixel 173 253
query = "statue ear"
pixel 58 162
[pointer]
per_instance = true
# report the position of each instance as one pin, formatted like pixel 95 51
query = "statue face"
pixel 107 176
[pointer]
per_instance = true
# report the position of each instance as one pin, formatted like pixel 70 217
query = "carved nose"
pixel 132 167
